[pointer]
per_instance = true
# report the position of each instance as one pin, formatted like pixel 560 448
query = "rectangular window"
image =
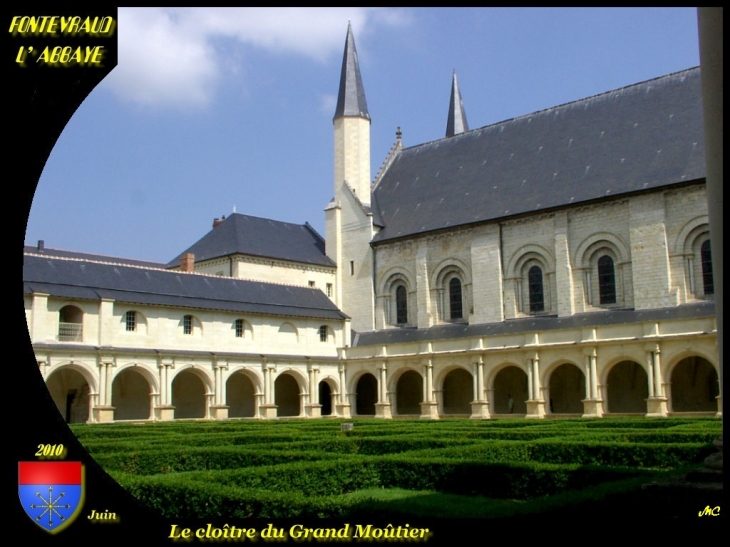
pixel 329 290
pixel 323 333
pixel 312 284
pixel 188 324
pixel 352 267
pixel 130 321
pixel 239 328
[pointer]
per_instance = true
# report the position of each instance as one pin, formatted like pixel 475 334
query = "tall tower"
pixel 352 127
pixel 349 220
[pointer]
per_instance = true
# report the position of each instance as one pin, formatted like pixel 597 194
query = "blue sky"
pixel 211 109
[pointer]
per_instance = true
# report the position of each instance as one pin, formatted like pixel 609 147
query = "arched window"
pixel 70 324
pixel 606 280
pixel 706 261
pixel 130 321
pixel 401 305
pixel 455 303
pixel 535 288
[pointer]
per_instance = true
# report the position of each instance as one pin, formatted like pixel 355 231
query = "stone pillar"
pixel 38 322
pixel 103 411
pixel 656 404
pixel 592 404
pixel 343 404
pixel 269 408
pixel 535 403
pixel 480 406
pixel 165 411
pixel 429 408
pixel 563 275
pixel 314 408
pixel 424 319
pixel 219 409
pixel 382 407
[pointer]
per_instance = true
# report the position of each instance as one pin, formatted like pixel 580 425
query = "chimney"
pixel 41 244
pixel 187 262
pixel 218 221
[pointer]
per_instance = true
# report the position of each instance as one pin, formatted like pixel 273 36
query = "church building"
pixel 557 264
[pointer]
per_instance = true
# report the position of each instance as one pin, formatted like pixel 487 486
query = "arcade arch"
pixel 189 394
pixel 567 390
pixel 694 385
pixel 458 392
pixel 510 383
pixel 71 390
pixel 240 395
pixel 366 395
pixel 131 395
pixel 409 393
pixel 627 388
pixel 286 395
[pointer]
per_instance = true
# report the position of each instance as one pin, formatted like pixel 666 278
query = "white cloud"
pixel 168 56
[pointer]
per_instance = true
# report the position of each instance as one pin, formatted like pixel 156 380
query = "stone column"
pixel 480 406
pixel 269 408
pixel 314 408
pixel 535 403
pixel 656 404
pixel 592 404
pixel 219 409
pixel 343 404
pixel 103 411
pixel 165 411
pixel 382 407
pixel 429 408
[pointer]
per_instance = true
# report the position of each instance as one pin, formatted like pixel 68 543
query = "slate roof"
pixel 636 138
pixel 45 251
pixel 83 279
pixel 533 324
pixel 263 237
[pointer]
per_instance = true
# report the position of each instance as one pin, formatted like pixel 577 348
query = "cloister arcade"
pixel 623 386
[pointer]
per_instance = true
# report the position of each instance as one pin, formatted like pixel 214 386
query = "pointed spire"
pixel 456 123
pixel 351 99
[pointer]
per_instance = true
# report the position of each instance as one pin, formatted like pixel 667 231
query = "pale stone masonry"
pixel 557 264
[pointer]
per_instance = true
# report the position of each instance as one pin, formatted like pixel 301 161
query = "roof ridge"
pixel 169 271
pixel 51 249
pixel 569 103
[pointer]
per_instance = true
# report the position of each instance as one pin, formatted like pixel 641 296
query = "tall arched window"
pixel 606 280
pixel 401 305
pixel 706 260
pixel 455 303
pixel 535 288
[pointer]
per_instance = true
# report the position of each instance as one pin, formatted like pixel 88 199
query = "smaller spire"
pixel 456 122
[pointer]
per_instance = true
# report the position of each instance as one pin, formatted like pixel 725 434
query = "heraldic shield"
pixel 51 493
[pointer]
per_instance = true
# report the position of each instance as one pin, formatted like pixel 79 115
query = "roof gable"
pixel 635 138
pixel 263 237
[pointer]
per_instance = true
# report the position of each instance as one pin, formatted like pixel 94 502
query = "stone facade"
pixel 600 307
